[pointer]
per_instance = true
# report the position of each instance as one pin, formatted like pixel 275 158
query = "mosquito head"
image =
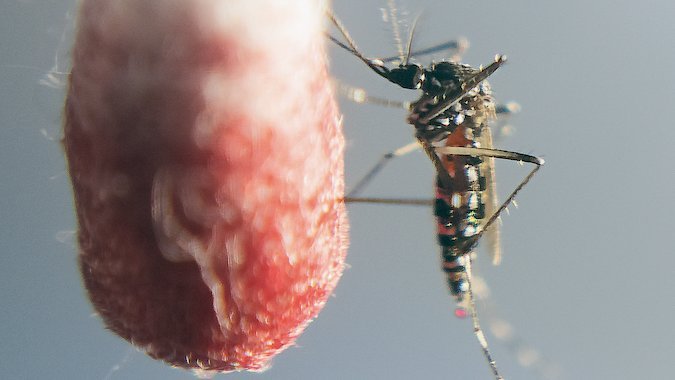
pixel 410 76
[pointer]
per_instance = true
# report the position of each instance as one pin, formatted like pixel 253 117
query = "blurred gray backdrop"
pixel 587 276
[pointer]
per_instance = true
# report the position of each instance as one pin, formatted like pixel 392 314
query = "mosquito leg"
pixel 359 95
pixel 496 153
pixel 379 165
pixel 477 330
pixel 391 201
pixel 503 331
pixel 506 109
pixel 441 172
pixel 509 199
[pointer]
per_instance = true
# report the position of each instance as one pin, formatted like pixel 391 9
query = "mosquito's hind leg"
pixel 460 151
pixel 506 334
pixel 496 153
pixel 477 330
pixel 359 95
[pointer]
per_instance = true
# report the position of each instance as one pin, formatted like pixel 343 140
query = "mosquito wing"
pixel 493 234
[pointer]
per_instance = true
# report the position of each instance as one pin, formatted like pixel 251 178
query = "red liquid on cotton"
pixel 206 156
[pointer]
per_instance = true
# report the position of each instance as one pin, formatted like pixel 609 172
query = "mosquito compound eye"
pixel 408 76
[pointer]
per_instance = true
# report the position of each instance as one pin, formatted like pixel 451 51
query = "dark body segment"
pixel 460 184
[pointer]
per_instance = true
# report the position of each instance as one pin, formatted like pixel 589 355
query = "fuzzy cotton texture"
pixel 205 150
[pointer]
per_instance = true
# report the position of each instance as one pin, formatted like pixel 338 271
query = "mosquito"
pixel 450 121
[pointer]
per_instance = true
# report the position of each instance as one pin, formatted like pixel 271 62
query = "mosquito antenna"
pixel 393 18
pixel 340 44
pixel 410 40
pixel 352 45
pixel 460 44
pixel 376 65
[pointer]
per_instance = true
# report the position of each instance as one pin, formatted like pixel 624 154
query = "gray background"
pixel 587 276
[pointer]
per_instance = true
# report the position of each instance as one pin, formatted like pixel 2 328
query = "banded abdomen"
pixel 459 209
pixel 463 184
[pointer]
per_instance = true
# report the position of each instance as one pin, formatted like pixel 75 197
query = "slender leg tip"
pixel 513 107
pixel 462 44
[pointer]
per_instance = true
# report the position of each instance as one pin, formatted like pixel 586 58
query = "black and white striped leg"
pixel 477 330
pixel 496 153
pixel 460 151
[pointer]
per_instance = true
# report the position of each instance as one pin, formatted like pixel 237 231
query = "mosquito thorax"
pixel 446 80
pixel 443 76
